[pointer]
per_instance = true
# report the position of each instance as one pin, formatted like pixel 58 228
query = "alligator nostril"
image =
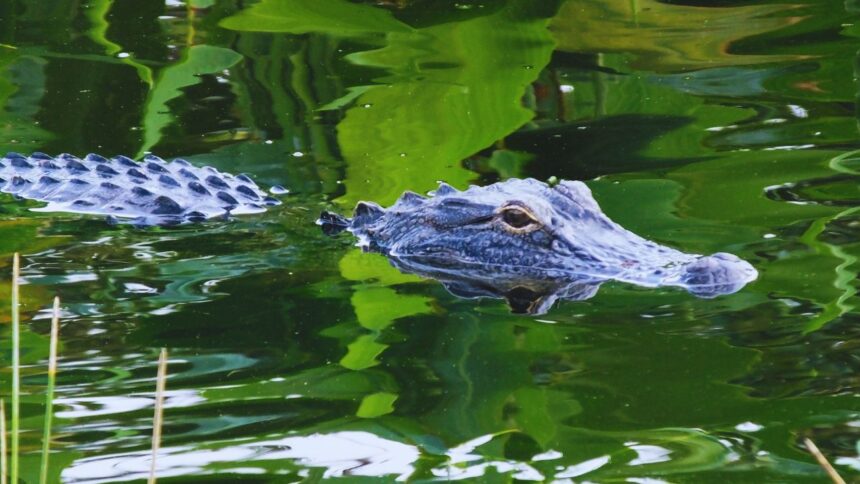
pixel 718 274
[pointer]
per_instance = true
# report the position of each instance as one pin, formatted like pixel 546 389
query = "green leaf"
pixel 200 59
pixel 376 405
pixel 201 3
pixel 454 89
pixel 334 17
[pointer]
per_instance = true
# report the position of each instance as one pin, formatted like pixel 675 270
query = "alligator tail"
pixel 150 192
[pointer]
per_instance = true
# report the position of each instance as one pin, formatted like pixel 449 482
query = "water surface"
pixel 706 126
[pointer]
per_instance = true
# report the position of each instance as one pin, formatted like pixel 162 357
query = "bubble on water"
pixel 298 154
pixel 748 427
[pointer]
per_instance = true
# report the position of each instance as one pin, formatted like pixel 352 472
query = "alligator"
pixel 522 240
pixel 528 242
pixel 152 192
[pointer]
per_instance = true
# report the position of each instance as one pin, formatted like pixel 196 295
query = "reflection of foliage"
pixel 460 100
pixel 22 84
pixel 640 28
pixel 97 14
pixel 279 86
pixel 376 306
pixel 200 59
pixel 277 341
pixel 335 17
pixel 845 274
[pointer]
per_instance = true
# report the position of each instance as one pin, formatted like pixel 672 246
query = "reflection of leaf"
pixel 845 276
pixel 200 59
pixel 363 353
pixel 334 17
pixel 351 95
pixel 456 89
pixel 359 266
pixel 665 36
pixel 509 164
pixel 376 405
pixel 377 307
pixel 97 14
pixel 22 88
pixel 324 383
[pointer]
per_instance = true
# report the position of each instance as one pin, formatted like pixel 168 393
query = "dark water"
pixel 707 126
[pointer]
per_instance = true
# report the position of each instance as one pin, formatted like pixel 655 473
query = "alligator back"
pixel 152 192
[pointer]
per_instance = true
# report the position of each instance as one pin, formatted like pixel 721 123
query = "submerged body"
pixel 530 243
pixel 152 192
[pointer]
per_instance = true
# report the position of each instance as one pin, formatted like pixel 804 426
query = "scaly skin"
pixel 152 192
pixel 530 243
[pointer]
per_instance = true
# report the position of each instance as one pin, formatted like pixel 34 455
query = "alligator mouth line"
pixel 443 258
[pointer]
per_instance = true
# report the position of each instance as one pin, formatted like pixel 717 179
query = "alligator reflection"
pixel 529 243
pixel 524 296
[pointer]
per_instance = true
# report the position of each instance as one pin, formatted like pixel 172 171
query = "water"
pixel 707 126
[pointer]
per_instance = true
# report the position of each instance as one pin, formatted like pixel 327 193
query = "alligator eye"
pixel 516 218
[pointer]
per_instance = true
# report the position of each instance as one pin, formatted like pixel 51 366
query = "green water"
pixel 706 126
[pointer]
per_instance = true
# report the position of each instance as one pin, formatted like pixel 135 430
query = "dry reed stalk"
pixel 157 420
pixel 4 466
pixel 16 367
pixel 822 461
pixel 49 396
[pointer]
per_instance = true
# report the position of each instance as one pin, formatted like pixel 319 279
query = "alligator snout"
pixel 717 274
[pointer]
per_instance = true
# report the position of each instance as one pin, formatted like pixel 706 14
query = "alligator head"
pixel 529 243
